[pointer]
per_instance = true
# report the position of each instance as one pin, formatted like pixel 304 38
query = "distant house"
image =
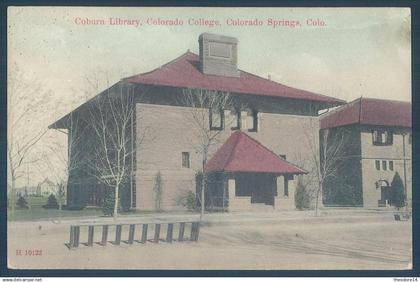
pixel 26 191
pixel 378 141
pixel 46 187
pixel 270 123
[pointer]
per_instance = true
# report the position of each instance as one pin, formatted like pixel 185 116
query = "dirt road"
pixel 263 241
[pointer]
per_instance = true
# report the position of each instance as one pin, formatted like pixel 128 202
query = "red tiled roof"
pixel 368 111
pixel 241 153
pixel 184 72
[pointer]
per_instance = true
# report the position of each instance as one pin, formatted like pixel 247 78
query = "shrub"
pixel 22 203
pixel 189 201
pixel 158 188
pixel 51 202
pixel 396 195
pixel 302 196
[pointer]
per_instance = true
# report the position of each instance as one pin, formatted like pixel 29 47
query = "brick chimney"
pixel 218 54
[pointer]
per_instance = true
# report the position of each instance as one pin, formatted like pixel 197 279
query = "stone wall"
pixel 394 153
pixel 168 132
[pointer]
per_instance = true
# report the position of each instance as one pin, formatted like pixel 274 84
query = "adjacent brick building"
pixel 377 136
pixel 263 136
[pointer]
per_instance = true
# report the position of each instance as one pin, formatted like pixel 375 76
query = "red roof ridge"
pixel 338 109
pixel 286 86
pixel 233 156
pixel 192 57
pixel 188 52
pixel 369 111
pixel 234 148
pixel 265 148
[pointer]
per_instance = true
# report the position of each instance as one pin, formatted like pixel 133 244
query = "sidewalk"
pixel 325 214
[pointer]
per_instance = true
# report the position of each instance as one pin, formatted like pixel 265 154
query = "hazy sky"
pixel 359 52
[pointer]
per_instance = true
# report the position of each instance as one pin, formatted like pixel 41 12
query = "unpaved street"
pixel 264 241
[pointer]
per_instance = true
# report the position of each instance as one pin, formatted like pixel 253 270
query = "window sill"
pixel 382 144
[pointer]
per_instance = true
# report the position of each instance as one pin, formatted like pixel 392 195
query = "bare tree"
pixel 202 103
pixel 26 97
pixel 110 118
pixel 60 163
pixel 325 156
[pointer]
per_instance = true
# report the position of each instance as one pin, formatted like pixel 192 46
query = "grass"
pixel 37 212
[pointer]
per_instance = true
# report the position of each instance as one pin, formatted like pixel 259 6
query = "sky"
pixel 352 52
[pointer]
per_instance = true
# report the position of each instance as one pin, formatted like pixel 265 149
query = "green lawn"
pixel 37 212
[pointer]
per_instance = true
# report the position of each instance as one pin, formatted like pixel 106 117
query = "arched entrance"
pixel 385 192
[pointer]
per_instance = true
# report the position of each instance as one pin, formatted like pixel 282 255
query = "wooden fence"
pixel 182 226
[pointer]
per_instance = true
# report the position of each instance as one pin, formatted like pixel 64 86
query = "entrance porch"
pixel 252 176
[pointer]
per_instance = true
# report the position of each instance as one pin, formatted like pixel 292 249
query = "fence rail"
pixel 89 229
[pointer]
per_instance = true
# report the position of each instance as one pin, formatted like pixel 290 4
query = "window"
pixel 382 137
pixel 286 187
pixel 217 118
pixel 186 159
pixel 384 165
pixel 410 138
pixel 378 165
pixel 253 121
pixel 391 165
pixel 237 120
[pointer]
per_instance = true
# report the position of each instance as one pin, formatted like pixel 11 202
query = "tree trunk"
pixel 203 204
pixel 318 198
pixel 12 195
pixel 116 201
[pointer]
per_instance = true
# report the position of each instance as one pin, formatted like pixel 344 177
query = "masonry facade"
pixel 377 146
pixel 266 129
pixel 164 151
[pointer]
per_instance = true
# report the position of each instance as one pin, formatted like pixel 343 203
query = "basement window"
pixel 217 119
pixel 186 159
pixel 382 137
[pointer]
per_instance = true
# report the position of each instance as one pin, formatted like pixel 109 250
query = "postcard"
pixel 209 138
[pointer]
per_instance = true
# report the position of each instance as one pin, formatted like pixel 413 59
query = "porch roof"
pixel 241 153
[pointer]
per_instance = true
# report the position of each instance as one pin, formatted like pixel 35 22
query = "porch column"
pixel 283 202
pixel 231 193
pixel 280 186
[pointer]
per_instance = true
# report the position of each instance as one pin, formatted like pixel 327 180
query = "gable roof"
pixel 241 153
pixel 184 72
pixel 369 111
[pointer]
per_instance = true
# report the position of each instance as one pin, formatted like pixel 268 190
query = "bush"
pixel 22 203
pixel 302 196
pixel 188 201
pixel 51 202
pixel 158 188
pixel 191 201
pixel 396 195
